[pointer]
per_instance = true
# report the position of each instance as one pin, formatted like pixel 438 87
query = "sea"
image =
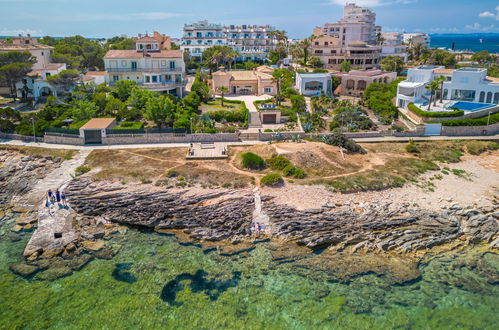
pixel 474 42
pixel 156 281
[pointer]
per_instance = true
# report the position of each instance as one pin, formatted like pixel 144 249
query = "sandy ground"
pixel 479 189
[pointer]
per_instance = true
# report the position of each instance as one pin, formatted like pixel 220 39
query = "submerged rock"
pixel 23 269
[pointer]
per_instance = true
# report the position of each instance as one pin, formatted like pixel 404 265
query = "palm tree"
pixel 379 39
pixel 222 90
pixel 278 77
pixel 304 45
pixel 433 87
pixel 441 79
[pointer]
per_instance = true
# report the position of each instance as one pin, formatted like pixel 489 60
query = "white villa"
pixel 150 66
pixel 34 85
pixel 469 85
pixel 314 84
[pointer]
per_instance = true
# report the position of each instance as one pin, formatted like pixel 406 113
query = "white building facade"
pixel 314 84
pixel 199 36
pixel 357 24
pixel 150 67
pixel 417 38
pixel 252 42
pixel 393 45
pixel 464 84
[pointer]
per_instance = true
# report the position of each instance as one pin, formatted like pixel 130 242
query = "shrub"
pixel 340 140
pixel 432 114
pixel 278 163
pixel 252 161
pixel 289 170
pixel 130 125
pixel 172 173
pixel 411 147
pixel 268 130
pixel 272 180
pixel 80 170
pixel 299 173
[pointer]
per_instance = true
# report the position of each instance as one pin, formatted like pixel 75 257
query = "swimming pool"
pixel 471 106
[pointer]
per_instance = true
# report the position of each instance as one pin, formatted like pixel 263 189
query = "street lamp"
pixel 488 118
pixel 33 123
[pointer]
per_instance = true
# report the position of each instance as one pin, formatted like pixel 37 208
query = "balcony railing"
pixel 163 84
pixel 150 70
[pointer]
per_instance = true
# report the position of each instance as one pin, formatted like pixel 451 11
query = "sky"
pixel 107 18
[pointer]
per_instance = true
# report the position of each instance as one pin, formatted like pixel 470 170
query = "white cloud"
pixel 12 32
pixel 489 14
pixel 372 3
pixel 478 27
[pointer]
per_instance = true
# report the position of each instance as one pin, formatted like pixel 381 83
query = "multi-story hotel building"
pixel 357 24
pixel 393 45
pixel 150 66
pixel 252 42
pixel 199 36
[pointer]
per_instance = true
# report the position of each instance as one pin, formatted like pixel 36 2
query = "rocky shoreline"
pixel 394 237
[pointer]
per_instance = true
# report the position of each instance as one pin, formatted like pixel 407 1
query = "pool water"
pixel 471 106
pixel 158 282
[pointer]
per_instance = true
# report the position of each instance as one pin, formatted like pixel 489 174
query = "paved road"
pixel 241 143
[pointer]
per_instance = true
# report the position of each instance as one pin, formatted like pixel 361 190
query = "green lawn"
pixel 214 105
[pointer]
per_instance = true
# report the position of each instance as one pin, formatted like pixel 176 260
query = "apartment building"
pixel 331 51
pixel 150 66
pixel 357 24
pixel 199 36
pixel 355 82
pixel 417 38
pixel 393 45
pixel 252 42
pixel 469 85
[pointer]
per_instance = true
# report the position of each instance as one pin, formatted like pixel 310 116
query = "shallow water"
pixel 156 282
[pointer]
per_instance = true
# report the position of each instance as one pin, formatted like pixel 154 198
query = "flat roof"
pixel 410 84
pixel 315 74
pixel 98 123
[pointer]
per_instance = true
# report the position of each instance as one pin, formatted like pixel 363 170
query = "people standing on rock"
pixel 63 198
pixel 58 197
pixel 257 229
pixel 47 205
pixel 50 196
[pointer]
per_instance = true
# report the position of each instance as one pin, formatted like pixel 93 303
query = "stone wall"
pixel 168 138
pixel 57 138
pixel 470 130
pixel 24 138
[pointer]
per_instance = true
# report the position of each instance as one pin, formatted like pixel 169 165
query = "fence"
pixel 24 138
pixel 117 139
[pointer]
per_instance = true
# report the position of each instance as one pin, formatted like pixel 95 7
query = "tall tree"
pixel 345 66
pixel 14 66
pixel 161 110
pixel 65 81
pixel 393 64
pixel 278 77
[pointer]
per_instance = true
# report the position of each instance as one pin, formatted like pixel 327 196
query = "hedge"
pixel 433 114
pixel 482 121
pixel 130 125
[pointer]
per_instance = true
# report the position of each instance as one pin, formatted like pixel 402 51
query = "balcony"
pixel 145 70
pixel 158 85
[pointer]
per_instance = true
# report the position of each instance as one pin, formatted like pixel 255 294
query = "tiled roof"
pixel 98 123
pixel 135 54
pixel 95 73
pixel 244 75
pixel 48 67
pixel 146 39
pixel 493 79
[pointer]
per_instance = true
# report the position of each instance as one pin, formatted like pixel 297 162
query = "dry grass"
pixel 133 164
pixel 43 152
pixel 213 173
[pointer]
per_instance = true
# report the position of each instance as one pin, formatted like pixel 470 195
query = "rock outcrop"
pixel 398 229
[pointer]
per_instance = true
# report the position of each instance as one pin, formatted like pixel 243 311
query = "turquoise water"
pixel 471 106
pixel 155 281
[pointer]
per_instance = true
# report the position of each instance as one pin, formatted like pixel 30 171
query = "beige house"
pixel 331 51
pixel 254 82
pixel 355 82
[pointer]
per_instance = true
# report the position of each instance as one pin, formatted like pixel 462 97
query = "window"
pixel 318 51
pixel 47 75
pixel 116 78
pixel 172 65
pixel 267 90
pixel 154 79
pixel 148 79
